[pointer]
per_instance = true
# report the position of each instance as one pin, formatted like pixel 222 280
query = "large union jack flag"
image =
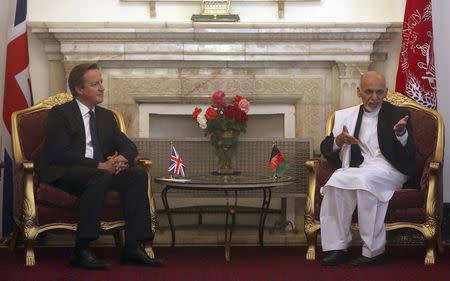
pixel 17 95
pixel 176 165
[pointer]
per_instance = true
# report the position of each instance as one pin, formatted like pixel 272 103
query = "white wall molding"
pixel 350 46
pixel 349 42
pixel 145 109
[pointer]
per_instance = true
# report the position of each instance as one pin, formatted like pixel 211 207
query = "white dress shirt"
pixel 86 117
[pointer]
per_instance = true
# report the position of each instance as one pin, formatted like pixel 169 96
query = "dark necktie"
pixel 98 155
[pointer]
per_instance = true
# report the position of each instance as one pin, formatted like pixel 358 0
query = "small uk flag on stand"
pixel 176 165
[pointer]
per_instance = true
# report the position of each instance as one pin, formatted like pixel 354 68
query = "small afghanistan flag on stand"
pixel 277 162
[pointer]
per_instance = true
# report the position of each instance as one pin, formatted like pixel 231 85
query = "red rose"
pixel 229 111
pixel 233 112
pixel 196 112
pixel 211 114
pixel 241 117
pixel 218 99
pixel 237 99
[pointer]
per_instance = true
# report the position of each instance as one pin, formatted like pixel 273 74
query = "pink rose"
pixel 244 105
pixel 218 99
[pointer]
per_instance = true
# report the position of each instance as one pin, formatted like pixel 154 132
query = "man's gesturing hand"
pixel 400 127
pixel 345 138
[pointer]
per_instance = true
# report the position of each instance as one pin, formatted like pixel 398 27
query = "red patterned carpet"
pixel 208 263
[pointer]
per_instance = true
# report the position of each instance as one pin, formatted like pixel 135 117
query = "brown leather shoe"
pixel 365 261
pixel 87 260
pixel 138 256
pixel 335 257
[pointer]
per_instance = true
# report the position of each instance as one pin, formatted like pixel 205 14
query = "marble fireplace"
pixel 311 69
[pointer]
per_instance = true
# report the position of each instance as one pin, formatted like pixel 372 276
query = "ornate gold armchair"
pixel 418 207
pixel 39 207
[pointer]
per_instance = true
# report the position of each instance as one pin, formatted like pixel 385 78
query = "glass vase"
pixel 225 149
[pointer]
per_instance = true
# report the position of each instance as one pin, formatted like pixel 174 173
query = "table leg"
pixel 169 215
pixel 262 218
pixel 231 211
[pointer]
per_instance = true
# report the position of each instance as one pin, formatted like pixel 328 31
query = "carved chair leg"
pixel 119 239
pixel 149 250
pixel 430 255
pixel 29 252
pixel 311 240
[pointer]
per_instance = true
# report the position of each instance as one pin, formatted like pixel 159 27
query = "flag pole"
pixel 274 175
pixel 170 153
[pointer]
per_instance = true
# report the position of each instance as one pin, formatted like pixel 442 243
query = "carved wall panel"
pixel 307 92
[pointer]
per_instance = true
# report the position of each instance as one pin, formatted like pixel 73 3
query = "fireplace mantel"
pixel 341 43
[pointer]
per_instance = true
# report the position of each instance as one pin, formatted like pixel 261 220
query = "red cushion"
pixel 54 205
pixel 49 195
pixel 415 215
pixel 407 198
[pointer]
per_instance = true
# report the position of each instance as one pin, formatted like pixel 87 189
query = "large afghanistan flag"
pixel 17 95
pixel 416 75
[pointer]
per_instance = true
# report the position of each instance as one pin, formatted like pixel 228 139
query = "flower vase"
pixel 225 148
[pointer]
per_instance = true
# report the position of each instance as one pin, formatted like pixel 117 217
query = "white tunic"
pixel 375 175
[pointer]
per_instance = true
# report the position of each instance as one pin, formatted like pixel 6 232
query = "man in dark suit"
pixel 375 149
pixel 86 154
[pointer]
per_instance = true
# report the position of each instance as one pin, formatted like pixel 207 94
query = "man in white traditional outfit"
pixel 376 151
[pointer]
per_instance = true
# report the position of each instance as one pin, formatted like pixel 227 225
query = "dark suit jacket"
pixel 65 143
pixel 401 157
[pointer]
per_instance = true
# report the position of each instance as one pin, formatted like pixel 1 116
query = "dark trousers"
pixel 91 186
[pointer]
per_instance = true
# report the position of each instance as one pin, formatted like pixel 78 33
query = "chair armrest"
pixel 319 171
pixel 322 171
pixel 434 165
pixel 28 166
pixel 434 187
pixel 142 161
pixel 431 168
pixel 313 166
pixel 24 196
pixel 147 164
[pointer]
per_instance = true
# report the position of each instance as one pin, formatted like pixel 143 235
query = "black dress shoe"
pixel 138 256
pixel 87 260
pixel 365 261
pixel 336 257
